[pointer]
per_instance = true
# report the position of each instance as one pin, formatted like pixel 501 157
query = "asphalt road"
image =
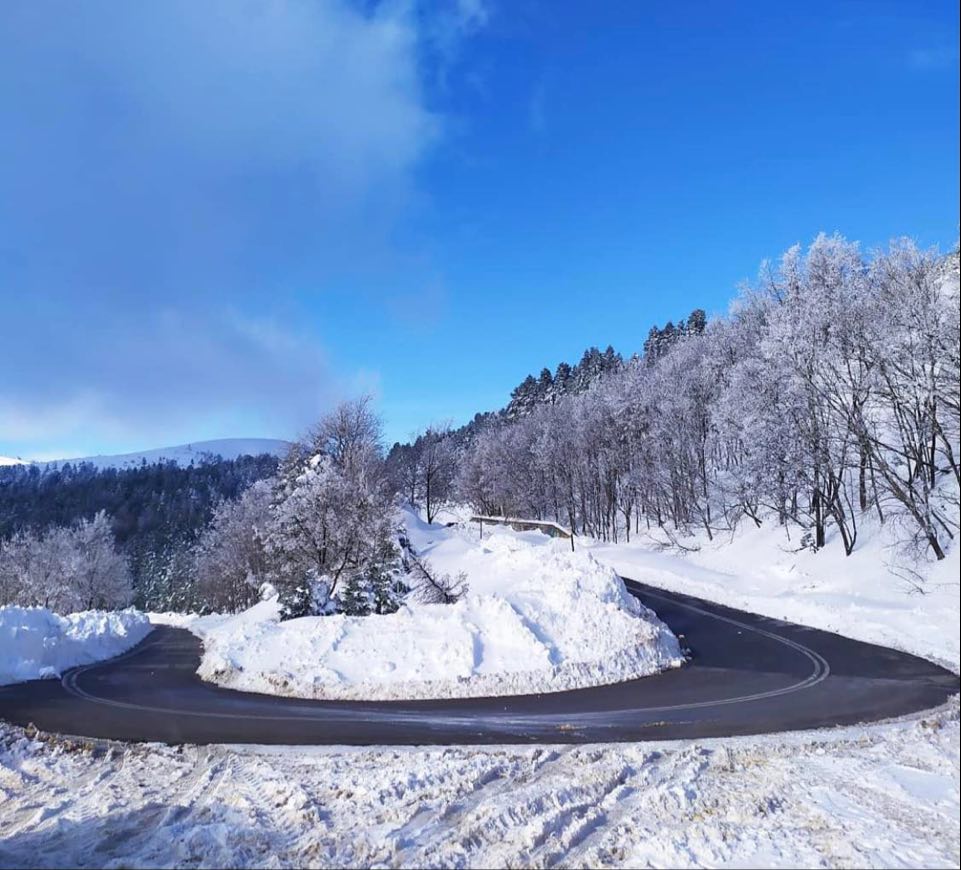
pixel 747 675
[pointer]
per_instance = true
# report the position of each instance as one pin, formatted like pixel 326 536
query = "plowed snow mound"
pixel 37 643
pixel 538 618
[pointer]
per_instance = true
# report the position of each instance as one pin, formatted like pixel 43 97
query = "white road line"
pixel 820 672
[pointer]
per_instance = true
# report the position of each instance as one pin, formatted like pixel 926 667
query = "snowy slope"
pixel 10 460
pixel 879 594
pixel 537 618
pixel 184 454
pixel 36 643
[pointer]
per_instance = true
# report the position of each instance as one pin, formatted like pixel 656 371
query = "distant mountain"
pixel 10 460
pixel 157 508
pixel 183 454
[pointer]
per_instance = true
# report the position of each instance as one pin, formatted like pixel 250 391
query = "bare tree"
pixel 436 467
pixel 432 587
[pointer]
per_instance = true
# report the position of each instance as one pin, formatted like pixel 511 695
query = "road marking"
pixel 820 672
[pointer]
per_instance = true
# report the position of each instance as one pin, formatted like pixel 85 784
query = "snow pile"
pixel 879 594
pixel 36 643
pixel 537 618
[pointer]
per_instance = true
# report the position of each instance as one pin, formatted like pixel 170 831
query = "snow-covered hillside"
pixel 537 618
pixel 11 460
pixel 36 643
pixel 184 454
pixel 880 593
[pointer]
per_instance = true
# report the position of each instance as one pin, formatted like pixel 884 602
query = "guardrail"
pixel 521 525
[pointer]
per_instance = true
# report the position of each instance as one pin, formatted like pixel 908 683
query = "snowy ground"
pixel 871 595
pixel 36 643
pixel 879 795
pixel 882 796
pixel 537 618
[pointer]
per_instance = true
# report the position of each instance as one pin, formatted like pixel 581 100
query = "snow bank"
pixel 36 643
pixel 866 796
pixel 879 594
pixel 537 618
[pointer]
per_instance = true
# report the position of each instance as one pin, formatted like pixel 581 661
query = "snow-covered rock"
pixel 537 618
pixel 36 643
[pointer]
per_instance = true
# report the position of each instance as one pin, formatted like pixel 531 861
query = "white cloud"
pixel 172 177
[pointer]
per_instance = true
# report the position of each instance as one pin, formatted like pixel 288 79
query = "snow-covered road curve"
pixel 747 675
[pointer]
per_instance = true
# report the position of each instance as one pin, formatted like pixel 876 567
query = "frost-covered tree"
pixel 830 393
pixel 35 569
pixel 422 472
pixel 403 471
pixel 66 568
pixel 326 523
pixel 100 576
pixel 331 513
pixel 167 579
pixel 436 468
pixel 230 560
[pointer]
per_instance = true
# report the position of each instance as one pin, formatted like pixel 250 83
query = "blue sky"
pixel 216 219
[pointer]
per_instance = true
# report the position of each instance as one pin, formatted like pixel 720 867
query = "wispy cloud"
pixel 173 178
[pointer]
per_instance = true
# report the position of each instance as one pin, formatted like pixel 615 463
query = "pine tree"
pixel 545 386
pixel 355 596
pixel 296 600
pixel 697 322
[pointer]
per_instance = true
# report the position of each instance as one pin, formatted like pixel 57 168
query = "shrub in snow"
pixel 377 588
pixel 432 587
pixel 311 597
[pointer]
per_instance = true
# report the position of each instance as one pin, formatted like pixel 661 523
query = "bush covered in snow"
pixel 35 643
